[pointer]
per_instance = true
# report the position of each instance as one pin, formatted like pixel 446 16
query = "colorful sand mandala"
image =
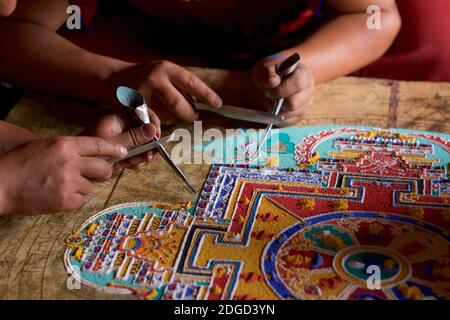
pixel 337 203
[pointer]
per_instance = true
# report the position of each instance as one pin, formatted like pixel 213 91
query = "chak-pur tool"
pixel 285 69
pixel 228 111
pixel 144 148
pixel 133 100
pixel 245 114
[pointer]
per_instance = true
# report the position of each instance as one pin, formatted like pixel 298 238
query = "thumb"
pixel 136 137
pixel 106 128
pixel 265 74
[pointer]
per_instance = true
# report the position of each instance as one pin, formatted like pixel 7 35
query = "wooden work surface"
pixel 31 248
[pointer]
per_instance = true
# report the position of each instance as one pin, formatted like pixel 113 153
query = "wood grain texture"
pixel 424 106
pixel 31 248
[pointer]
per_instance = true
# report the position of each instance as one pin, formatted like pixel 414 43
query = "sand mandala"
pixel 308 222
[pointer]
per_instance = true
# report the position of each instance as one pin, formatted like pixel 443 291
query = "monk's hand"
pixel 122 129
pixel 160 83
pixel 54 175
pixel 297 89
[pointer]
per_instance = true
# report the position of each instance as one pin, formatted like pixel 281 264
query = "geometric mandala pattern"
pixel 363 214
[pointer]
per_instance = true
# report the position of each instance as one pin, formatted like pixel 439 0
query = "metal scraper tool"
pixel 132 99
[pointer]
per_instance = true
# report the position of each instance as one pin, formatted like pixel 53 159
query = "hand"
pixel 13 136
pixel 53 175
pixel 118 128
pixel 297 89
pixel 159 82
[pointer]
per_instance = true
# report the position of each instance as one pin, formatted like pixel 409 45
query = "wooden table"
pixel 31 248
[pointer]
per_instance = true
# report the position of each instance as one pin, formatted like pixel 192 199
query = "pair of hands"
pixel 297 89
pixel 160 83
pixel 54 175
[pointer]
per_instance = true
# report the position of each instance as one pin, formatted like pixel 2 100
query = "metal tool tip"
pixel 190 186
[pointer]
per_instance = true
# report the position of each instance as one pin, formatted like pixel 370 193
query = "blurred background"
pixel 146 31
pixel 142 30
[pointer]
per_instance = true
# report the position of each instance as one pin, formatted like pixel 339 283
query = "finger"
pixel 174 101
pixel 297 102
pixel 150 156
pixel 137 167
pixel 136 137
pixel 75 202
pixel 84 186
pixel 297 82
pixel 137 160
pixel 95 168
pixel 189 83
pixel 290 86
pixel 299 112
pixel 93 146
pixel 265 74
pixel 144 158
pixel 107 127
pixel 154 119
pixel 132 165
pixel 68 199
pixel 293 121
pixel 121 165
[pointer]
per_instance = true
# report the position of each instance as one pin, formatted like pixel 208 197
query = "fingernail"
pixel 118 166
pixel 217 102
pixel 123 151
pixel 150 157
pixel 134 161
pixel 145 132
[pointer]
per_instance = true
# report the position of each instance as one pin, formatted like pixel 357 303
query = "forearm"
pixel 38 58
pixel 346 44
pixel 13 136
pixel 5 201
